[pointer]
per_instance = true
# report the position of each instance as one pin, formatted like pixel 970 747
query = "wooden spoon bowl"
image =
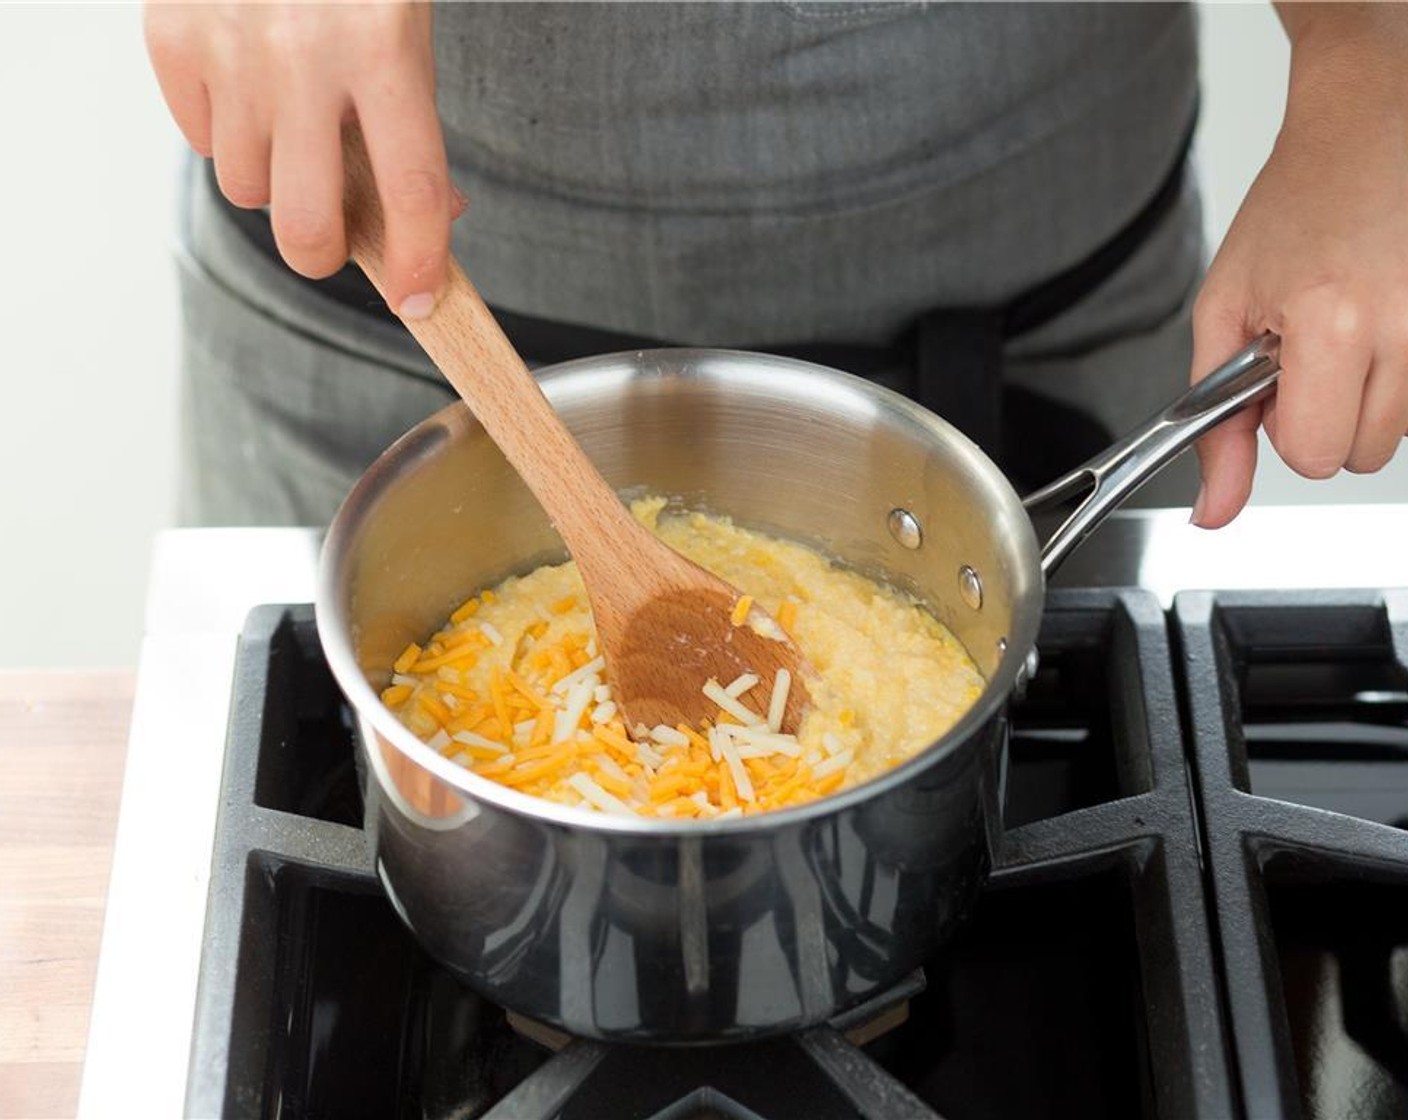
pixel 664 624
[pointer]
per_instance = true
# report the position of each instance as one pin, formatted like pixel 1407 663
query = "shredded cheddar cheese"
pixel 513 688
pixel 741 609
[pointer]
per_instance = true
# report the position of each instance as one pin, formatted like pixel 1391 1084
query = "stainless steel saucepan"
pixel 648 930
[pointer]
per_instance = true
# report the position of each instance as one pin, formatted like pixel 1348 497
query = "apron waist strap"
pixel 953 356
pixel 956 363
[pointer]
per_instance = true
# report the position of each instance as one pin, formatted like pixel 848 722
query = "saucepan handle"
pixel 1117 472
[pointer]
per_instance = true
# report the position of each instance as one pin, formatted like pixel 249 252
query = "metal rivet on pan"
pixel 971 587
pixel 905 528
pixel 1001 647
pixel 1025 674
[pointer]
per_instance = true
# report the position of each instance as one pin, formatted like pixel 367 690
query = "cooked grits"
pixel 513 687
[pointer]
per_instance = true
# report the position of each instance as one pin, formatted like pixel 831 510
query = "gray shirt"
pixel 765 173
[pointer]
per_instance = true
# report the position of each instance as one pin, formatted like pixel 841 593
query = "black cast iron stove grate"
pixel 1083 984
pixel 1298 706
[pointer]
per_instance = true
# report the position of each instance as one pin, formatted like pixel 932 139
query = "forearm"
pixel 1349 65
pixel 1366 31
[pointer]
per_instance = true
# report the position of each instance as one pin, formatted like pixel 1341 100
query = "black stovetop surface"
pixel 1176 926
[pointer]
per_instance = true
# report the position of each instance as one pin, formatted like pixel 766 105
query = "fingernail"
pixel 1196 518
pixel 461 202
pixel 418 306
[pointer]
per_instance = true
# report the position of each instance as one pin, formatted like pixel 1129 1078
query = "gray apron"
pixel 1031 281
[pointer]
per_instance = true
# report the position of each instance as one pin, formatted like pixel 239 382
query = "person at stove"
pixel 985 206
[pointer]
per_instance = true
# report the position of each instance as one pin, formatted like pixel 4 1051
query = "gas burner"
pixel 819 1073
pixel 591 1079
pixel 861 1025
pixel 1082 984
pixel 1198 906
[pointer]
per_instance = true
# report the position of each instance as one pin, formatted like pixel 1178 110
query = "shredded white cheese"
pixel 742 684
pixel 714 691
pixel 566 721
pixel 668 736
pixel 470 739
pixel 757 737
pixel 741 781
pixel 587 787
pixel 716 734
pixel 834 763
pixel 586 672
pixel 777 707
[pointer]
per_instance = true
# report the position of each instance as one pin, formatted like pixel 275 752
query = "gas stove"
pixel 1199 907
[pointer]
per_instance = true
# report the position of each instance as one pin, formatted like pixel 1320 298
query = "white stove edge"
pixel 1272 548
pixel 203 584
pixel 205 581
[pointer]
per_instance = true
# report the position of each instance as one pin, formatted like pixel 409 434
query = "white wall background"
pixel 88 311
pixel 87 332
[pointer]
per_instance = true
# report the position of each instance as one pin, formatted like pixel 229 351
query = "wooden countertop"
pixel 63 741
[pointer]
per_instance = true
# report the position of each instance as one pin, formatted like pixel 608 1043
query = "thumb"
pixel 1227 454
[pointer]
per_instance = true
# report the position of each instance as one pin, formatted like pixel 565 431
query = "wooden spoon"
pixel 664 624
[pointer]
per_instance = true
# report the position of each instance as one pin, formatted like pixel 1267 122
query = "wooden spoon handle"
pixel 469 347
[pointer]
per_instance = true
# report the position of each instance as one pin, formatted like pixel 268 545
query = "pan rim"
pixel 559 383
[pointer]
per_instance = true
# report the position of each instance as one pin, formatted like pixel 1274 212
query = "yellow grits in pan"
pixel 512 687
